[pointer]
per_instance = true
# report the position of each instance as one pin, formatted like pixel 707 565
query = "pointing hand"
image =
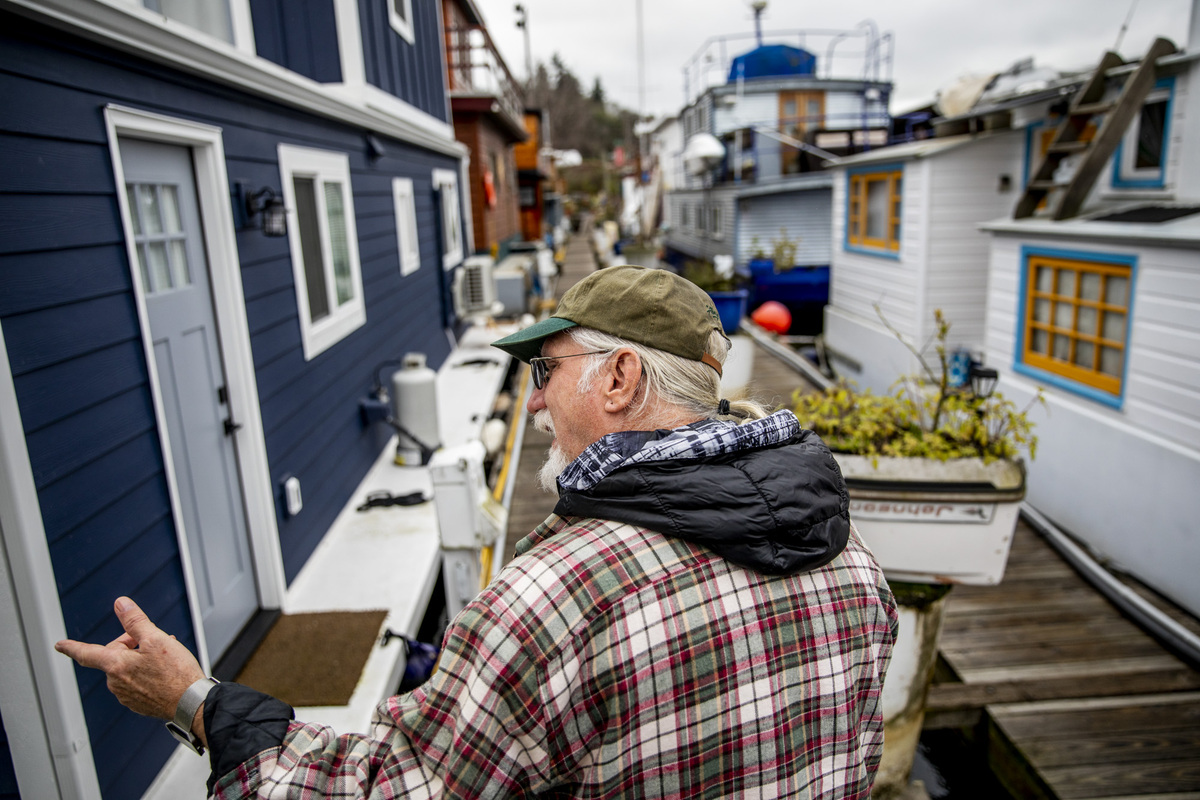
pixel 147 670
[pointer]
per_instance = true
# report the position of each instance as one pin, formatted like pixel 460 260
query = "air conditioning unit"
pixel 475 288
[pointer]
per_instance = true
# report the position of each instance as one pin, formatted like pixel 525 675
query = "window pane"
pixel 1065 283
pixel 210 16
pixel 400 7
pixel 1085 354
pixel 131 199
pixel 151 220
pixel 335 212
pixel 146 285
pixel 1086 321
pixel 1063 314
pixel 1150 135
pixel 1045 279
pixel 157 266
pixel 180 269
pixel 1062 348
pixel 170 208
pixel 308 224
pixel 1040 342
pixel 877 209
pixel 1114 327
pixel 1116 290
pixel 1041 310
pixel 1110 361
pixel 1089 286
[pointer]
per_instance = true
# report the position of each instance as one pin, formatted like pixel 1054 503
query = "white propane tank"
pixel 414 408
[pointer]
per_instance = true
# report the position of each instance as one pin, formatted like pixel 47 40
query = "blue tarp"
pixel 773 60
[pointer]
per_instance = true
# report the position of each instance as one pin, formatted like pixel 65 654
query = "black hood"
pixel 766 495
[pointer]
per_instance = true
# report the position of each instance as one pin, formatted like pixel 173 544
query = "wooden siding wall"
pixel 1162 379
pixel 68 311
pixel 857 281
pixel 416 73
pixel 805 216
pixel 498 224
pixel 299 35
pixel 688 238
pixel 1135 468
pixel 965 191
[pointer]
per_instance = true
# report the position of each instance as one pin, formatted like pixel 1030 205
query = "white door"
pixel 201 427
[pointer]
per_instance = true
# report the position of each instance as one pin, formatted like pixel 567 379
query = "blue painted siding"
pixel 71 327
pixel 300 35
pixel 8 776
pixel 413 72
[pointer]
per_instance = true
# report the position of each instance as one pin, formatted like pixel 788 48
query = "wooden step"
pixel 1067 148
pixel 1092 109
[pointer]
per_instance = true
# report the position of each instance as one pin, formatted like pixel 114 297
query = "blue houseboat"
pixel 218 218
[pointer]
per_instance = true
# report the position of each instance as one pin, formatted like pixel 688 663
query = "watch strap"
pixel 185 711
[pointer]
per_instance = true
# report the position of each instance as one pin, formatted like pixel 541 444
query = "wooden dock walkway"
pixel 1069 698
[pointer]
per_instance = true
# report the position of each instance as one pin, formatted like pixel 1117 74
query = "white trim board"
pixel 43 712
pixel 143 33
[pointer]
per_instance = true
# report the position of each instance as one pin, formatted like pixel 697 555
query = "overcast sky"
pixel 934 41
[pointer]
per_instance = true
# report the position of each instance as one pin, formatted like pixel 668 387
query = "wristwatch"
pixel 185 712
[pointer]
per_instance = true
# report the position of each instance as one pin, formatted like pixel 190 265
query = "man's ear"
pixel 621 380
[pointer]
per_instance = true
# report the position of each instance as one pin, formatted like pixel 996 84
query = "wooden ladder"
pixel 1088 104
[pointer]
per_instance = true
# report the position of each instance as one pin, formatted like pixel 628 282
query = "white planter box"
pixel 932 521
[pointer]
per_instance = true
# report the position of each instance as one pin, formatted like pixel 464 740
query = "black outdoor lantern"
pixel 270 205
pixel 983 381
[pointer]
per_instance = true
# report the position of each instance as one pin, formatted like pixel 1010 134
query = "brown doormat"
pixel 314 659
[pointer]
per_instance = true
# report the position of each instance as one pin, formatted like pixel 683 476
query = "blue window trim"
pixel 870 251
pixel 1119 182
pixel 1058 381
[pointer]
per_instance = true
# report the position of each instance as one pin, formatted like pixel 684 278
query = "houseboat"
pixel 1055 220
pixel 223 220
pixel 762 113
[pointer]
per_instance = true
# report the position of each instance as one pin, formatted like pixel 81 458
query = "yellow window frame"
pixel 860 185
pixel 1100 307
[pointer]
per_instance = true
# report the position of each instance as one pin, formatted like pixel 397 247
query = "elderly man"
pixel 697 618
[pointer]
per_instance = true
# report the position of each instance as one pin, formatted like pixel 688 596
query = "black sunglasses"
pixel 541 368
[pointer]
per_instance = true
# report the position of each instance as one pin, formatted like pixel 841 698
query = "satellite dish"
pixel 703 152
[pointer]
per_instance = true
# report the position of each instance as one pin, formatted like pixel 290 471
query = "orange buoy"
pixel 773 316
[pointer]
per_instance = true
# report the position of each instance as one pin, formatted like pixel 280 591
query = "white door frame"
pixel 233 333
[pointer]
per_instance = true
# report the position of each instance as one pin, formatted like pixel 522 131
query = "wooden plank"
pixel 1053 652
pixel 1128 712
pixel 1090 780
pixel 1027 672
pixel 949 696
pixel 1102 747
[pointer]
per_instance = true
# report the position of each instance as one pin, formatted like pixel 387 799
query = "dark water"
pixel 953 767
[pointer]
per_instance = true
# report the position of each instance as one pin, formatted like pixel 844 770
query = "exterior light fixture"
pixel 983 381
pixel 270 205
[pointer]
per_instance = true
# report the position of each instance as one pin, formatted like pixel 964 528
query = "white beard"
pixel 556 459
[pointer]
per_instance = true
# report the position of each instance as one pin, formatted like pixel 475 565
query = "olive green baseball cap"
pixel 653 307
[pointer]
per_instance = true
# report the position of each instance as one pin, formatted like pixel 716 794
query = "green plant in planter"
pixel 756 251
pixel 923 417
pixel 705 275
pixel 783 251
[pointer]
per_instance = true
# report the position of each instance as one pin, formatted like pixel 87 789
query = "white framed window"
pixel 406 225
pixel 227 20
pixel 714 227
pixel 446 182
pixel 324 245
pixel 401 18
pixel 1141 158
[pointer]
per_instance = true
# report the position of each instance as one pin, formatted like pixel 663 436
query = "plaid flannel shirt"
pixel 610 661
